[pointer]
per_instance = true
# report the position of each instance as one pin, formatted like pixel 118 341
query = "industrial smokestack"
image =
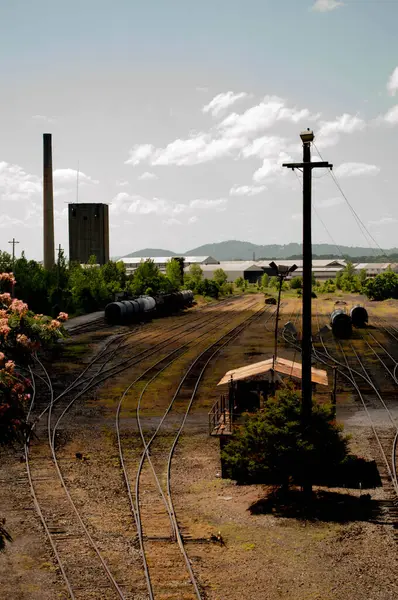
pixel 48 202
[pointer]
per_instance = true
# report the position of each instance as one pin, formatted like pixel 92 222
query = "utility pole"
pixel 306 345
pixel 14 241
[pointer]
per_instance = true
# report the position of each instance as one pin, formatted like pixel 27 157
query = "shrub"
pixel 272 447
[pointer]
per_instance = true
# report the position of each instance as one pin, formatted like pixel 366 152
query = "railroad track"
pixel 385 437
pixel 158 529
pixel 65 523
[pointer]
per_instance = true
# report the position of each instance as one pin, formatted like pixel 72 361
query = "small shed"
pixel 282 366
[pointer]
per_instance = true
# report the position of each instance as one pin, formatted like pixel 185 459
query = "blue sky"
pixel 110 79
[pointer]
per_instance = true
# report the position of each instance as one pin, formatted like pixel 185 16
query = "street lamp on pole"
pixel 282 272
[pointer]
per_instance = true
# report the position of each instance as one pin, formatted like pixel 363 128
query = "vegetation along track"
pixel 73 545
pixel 167 567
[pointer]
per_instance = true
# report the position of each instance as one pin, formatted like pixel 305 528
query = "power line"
pixel 365 232
pixel 324 226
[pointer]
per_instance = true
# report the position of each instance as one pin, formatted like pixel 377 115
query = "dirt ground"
pixel 263 556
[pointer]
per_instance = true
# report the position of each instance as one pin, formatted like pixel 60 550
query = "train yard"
pixel 127 496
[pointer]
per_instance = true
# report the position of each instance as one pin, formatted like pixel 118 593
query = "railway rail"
pixel 97 371
pixel 154 490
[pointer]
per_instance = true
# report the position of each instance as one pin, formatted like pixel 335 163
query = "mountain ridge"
pixel 240 250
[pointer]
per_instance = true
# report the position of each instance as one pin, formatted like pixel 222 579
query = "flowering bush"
pixel 22 333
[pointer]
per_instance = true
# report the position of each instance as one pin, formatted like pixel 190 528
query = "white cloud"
pixel 16 184
pixel 222 101
pixel 138 153
pixel 147 176
pixel 6 221
pixel 262 116
pixel 219 204
pixel 264 146
pixel 329 132
pixel 122 183
pixel 326 5
pixel 202 89
pixel 329 202
pixel 247 190
pixel 271 167
pixel 391 116
pixel 383 221
pixel 227 139
pixel 135 204
pixel 43 119
pixel 69 177
pixel 193 219
pixel 392 85
pixel 356 169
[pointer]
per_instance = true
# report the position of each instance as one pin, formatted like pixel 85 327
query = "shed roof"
pixel 232 266
pixel 280 365
pixel 165 259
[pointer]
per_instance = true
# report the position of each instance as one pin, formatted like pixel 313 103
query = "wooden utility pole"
pixel 14 241
pixel 306 345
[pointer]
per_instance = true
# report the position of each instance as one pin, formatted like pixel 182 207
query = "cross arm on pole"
pixel 312 165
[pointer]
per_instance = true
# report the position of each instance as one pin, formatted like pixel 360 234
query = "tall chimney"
pixel 48 202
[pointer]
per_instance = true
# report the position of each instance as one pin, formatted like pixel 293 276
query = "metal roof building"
pixel 249 271
pixel 133 262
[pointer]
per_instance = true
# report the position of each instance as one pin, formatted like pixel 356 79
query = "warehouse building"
pixel 249 271
pixel 133 262
pixel 373 269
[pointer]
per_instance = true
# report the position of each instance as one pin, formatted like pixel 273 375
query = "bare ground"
pixel 264 556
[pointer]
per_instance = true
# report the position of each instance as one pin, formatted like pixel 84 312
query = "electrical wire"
pixel 324 226
pixel 365 232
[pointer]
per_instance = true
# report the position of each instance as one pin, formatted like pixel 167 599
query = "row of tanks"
pixel 139 309
pixel 342 322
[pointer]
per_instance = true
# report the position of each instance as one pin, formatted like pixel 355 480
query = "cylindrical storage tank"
pixel 359 316
pixel 149 303
pixel 115 313
pixel 341 324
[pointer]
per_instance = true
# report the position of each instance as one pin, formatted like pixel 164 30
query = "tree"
pixel 240 283
pixel 173 273
pixel 296 283
pixel 274 282
pixel 196 273
pixel 265 280
pixel 22 333
pixel 272 447
pixel 148 275
pixel 220 276
pixel 382 286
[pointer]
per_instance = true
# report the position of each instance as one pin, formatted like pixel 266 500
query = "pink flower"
pixel 19 307
pixel 10 366
pixel 2 357
pixel 23 340
pixel 62 316
pixel 54 324
pixel 5 299
pixel 8 277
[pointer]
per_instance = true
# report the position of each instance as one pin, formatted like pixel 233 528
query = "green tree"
pixel 382 286
pixel 296 283
pixel 274 282
pixel 362 276
pixel 173 273
pixel 272 447
pixel 148 275
pixel 220 276
pixel 240 283
pixel 265 280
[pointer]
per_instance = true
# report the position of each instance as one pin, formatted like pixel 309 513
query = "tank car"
pixel 359 316
pixel 129 311
pixel 341 324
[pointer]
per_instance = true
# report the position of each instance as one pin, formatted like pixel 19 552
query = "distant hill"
pixel 150 252
pixel 237 250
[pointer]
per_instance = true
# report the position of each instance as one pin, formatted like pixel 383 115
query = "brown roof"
pixel 281 365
